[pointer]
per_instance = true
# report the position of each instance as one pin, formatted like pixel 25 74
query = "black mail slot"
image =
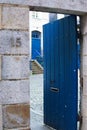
pixel 54 89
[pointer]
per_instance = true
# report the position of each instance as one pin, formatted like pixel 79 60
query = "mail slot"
pixel 54 89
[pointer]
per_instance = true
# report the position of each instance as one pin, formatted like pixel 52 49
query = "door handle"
pixel 54 89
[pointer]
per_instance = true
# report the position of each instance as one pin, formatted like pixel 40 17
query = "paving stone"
pixel 36 98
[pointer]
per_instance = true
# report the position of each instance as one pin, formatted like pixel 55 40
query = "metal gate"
pixel 60 74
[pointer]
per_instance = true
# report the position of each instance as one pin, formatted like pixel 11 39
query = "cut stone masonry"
pixel 14 51
pixel 14 68
pixel 84 71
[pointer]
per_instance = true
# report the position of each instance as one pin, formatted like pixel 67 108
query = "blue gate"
pixel 60 74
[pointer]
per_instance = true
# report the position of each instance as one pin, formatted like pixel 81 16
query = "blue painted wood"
pixel 36 48
pixel 79 56
pixel 60 74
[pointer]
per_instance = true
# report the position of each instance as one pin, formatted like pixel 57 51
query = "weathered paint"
pixel 60 74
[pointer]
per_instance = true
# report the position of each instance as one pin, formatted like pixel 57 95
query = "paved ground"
pixel 36 97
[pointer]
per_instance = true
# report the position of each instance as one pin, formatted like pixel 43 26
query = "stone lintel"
pixel 59 6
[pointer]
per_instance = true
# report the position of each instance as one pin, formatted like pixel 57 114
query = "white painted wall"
pixel 37 20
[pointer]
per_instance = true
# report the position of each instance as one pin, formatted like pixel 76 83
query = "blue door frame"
pixel 60 74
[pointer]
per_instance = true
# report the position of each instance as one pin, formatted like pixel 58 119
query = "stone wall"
pixel 14 57
pixel 61 6
pixel 84 71
pixel 14 68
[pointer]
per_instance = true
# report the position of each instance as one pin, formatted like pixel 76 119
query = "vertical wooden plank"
pixel 67 72
pixel 56 75
pixel 47 118
pixel 74 69
pixel 52 80
pixel 45 73
pixel 48 103
pixel 61 107
pixel 61 72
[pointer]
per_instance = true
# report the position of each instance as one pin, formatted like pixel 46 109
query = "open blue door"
pixel 60 74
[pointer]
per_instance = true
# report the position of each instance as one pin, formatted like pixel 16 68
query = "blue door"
pixel 36 44
pixel 36 48
pixel 60 74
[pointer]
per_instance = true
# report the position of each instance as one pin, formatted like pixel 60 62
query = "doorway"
pixel 35 81
pixel 37 20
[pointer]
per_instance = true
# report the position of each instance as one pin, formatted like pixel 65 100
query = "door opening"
pixel 59 65
pixel 37 20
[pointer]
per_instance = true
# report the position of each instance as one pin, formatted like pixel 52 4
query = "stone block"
pixel 25 128
pixel 84 124
pixel 1 122
pixel 14 42
pixel 15 67
pixel 84 45
pixel 16 116
pixel 15 18
pixel 85 86
pixel 84 24
pixel 12 92
pixel 0 16
pixel 81 65
pixel 0 66
pixel 84 106
pixel 84 65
